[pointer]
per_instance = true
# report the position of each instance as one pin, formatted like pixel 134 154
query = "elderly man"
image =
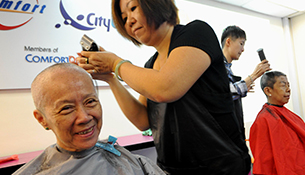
pixel 67 104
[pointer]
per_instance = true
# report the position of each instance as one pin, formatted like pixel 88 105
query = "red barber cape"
pixel 277 141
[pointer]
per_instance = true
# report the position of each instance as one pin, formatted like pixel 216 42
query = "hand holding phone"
pixel 261 54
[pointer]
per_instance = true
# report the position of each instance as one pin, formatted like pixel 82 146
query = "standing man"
pixel 233 40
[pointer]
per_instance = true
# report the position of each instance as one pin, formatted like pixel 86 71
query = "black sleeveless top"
pixel 199 132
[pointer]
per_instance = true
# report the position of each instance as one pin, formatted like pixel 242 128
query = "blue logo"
pixel 49 59
pixel 91 20
pixel 47 56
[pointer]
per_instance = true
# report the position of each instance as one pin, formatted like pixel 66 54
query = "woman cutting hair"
pixel 184 91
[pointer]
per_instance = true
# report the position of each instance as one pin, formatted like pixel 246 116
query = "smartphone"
pixel 261 54
pixel 88 44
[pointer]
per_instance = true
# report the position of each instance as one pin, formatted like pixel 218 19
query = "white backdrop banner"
pixel 37 33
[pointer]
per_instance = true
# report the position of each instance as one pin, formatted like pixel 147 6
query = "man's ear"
pixel 40 118
pixel 228 42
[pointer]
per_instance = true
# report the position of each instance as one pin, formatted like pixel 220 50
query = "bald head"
pixel 53 77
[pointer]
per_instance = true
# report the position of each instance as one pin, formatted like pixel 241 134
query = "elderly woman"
pixel 277 136
pixel 184 90
pixel 67 104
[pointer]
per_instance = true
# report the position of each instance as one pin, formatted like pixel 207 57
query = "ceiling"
pixel 276 8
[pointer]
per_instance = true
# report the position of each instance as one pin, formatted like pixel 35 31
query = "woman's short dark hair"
pixel 156 12
pixel 234 32
pixel 269 78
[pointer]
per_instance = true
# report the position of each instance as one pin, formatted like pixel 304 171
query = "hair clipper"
pixel 261 54
pixel 88 44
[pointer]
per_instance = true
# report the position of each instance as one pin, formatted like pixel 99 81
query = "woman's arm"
pixel 181 70
pixel 177 75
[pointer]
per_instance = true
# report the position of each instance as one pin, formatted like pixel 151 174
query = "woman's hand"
pixel 101 62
